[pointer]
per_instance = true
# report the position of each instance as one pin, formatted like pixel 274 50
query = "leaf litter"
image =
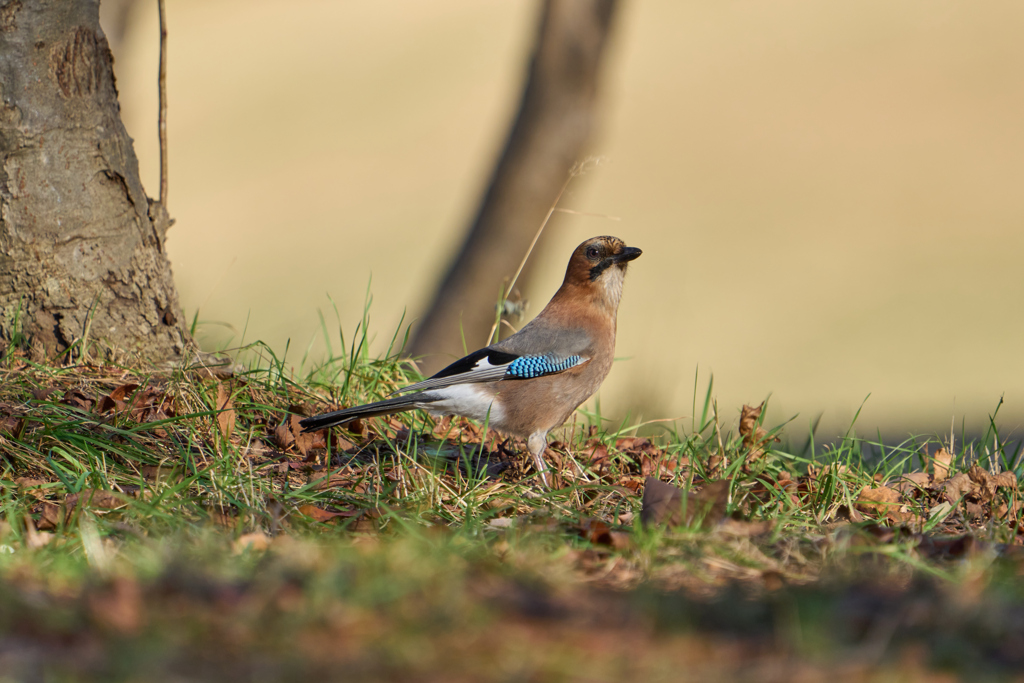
pixel 704 525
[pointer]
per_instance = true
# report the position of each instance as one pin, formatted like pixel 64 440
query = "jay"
pixel 531 382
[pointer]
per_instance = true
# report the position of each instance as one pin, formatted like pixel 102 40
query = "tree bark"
pixel 82 259
pixel 554 121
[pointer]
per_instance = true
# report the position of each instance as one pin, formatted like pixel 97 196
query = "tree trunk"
pixel 548 137
pixel 82 260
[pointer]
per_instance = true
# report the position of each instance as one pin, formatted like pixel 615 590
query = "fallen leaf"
pixel 34 487
pixel 988 484
pixel 12 426
pixel 941 463
pixel 913 482
pixel 878 501
pixel 51 516
pixel 1006 480
pixel 1003 510
pixel 596 455
pixel 321 515
pixel 599 533
pixel 226 414
pixel 283 437
pixel 338 442
pixel 77 399
pixel 116 399
pixel 975 510
pixel 844 512
pixel 306 441
pixel 35 539
pixel 151 405
pixel 95 498
pixel 344 481
pixel 957 487
pixel 715 462
pixel 42 393
pixel 161 473
pixel 671 506
pixel 256 541
pixel 755 439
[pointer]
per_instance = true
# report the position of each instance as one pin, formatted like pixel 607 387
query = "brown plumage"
pixel 531 382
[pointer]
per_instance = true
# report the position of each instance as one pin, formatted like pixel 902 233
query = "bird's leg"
pixel 537 443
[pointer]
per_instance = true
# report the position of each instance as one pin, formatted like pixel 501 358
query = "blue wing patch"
pixel 528 367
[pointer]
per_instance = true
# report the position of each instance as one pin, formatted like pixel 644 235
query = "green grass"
pixel 180 529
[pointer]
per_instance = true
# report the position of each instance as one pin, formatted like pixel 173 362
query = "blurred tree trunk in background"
pixel 116 20
pixel 549 135
pixel 81 247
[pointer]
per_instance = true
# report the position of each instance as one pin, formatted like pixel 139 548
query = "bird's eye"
pixel 593 253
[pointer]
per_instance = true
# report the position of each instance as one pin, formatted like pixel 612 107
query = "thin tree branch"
pixel 162 117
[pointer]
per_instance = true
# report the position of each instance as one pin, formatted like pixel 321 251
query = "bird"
pixel 530 382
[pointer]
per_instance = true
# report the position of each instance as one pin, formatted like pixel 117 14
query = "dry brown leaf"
pixel 1003 510
pixel 921 479
pixel 42 393
pixel 941 463
pixel 663 503
pixel 94 498
pixel 116 399
pixel 1006 480
pixel 36 539
pixel 754 438
pixel 77 399
pixel 984 486
pixel 596 455
pixel 987 484
pixel 12 426
pixel 846 513
pixel 957 487
pixel 904 517
pixel 911 483
pixel 256 541
pixel 283 437
pixel 226 414
pixel 715 463
pixel 151 405
pixel 161 473
pixel 306 441
pixel 338 442
pixel 599 533
pixel 975 510
pixel 51 516
pixel 878 501
pixel 321 515
pixel 343 481
pixel 33 487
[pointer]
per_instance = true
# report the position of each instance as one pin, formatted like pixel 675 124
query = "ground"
pixel 179 526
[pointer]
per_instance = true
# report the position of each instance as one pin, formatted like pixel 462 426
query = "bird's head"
pixel 600 264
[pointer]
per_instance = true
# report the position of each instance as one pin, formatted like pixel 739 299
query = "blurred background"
pixel 829 196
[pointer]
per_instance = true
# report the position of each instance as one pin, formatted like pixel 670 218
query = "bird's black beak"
pixel 626 255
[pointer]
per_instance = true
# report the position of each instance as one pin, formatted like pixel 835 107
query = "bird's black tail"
pixel 386 407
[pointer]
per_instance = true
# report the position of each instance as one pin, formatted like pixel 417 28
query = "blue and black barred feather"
pixel 529 367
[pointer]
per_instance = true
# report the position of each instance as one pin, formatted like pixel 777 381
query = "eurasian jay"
pixel 531 382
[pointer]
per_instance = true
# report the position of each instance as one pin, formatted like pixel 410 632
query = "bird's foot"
pixel 542 470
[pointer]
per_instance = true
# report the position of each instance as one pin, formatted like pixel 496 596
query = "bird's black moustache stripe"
pixel 596 271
